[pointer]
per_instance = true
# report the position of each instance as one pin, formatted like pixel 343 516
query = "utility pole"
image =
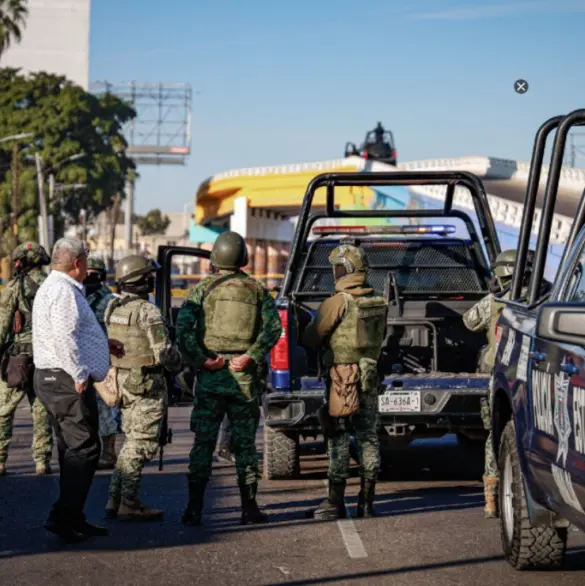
pixel 44 221
pixel 15 194
pixel 128 213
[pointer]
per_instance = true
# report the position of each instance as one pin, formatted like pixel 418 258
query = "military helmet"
pixel 352 258
pixel 506 261
pixel 229 251
pixel 95 263
pixel 133 268
pixel 31 254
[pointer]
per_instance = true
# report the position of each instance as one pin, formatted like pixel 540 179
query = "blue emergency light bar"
pixel 440 229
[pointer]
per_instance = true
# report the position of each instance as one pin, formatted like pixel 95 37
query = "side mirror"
pixel 562 322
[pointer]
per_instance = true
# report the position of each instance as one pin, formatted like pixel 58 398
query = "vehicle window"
pixel 576 288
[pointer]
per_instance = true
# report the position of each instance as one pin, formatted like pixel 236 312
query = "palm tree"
pixel 13 15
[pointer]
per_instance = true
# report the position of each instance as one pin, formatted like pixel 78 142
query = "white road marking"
pixel 351 537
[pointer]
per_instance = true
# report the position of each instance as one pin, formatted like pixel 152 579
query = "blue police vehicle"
pixel 538 404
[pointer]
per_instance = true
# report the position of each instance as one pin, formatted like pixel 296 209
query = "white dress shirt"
pixel 66 333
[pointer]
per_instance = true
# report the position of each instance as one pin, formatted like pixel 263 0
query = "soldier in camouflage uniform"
pixel 16 302
pixel 226 327
pixel 98 296
pixel 483 316
pixel 148 351
pixel 350 327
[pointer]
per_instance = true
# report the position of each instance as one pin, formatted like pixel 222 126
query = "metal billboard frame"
pixel 161 132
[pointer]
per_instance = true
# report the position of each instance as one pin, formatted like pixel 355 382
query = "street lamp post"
pixel 44 219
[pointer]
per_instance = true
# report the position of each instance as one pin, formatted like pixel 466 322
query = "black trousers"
pixel 75 419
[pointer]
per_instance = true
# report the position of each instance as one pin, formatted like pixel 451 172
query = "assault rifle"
pixel 165 437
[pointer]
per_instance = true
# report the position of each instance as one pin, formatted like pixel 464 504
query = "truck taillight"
pixel 394 154
pixel 279 355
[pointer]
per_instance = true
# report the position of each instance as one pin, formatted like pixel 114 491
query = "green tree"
pixel 153 223
pixel 79 138
pixel 13 15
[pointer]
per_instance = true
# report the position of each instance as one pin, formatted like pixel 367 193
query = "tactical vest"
pixel 122 324
pixel 232 315
pixel 362 330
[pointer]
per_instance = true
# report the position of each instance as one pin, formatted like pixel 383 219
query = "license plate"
pixel 399 401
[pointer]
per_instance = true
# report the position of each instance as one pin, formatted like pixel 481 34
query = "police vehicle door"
pixel 558 390
pixel 181 269
pixel 172 285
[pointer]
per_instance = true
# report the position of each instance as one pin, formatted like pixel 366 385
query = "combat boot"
pixel 135 511
pixel 490 489
pixel 193 514
pixel 333 507
pixel 365 506
pixel 112 507
pixel 108 457
pixel 250 511
pixel 43 469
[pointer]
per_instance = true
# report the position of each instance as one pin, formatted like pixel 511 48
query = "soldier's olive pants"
pixel 141 419
pixel 42 443
pixel 365 432
pixel 244 416
pixel 491 467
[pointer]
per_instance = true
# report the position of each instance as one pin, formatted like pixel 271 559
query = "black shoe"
pixel 250 510
pixel 365 506
pixel 65 532
pixel 90 530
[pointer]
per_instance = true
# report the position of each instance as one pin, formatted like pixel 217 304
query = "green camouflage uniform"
pixel 98 302
pixel 11 300
pixel 223 391
pixel 139 325
pixel 335 328
pixel 483 316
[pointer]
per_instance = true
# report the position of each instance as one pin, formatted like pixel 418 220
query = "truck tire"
pixel 281 454
pixel 526 547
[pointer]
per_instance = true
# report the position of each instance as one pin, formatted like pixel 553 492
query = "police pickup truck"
pixel 538 404
pixel 429 277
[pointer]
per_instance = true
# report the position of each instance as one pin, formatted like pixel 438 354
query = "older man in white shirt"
pixel 70 350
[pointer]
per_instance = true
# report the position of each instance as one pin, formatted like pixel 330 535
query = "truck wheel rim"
pixel 508 499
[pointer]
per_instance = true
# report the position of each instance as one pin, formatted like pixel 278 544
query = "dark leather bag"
pixel 20 370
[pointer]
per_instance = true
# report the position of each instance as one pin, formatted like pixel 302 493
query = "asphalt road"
pixel 431 529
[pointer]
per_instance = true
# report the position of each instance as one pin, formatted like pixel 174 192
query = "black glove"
pixel 495 287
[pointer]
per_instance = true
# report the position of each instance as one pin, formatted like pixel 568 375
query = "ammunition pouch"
pixel 18 370
pixel 344 394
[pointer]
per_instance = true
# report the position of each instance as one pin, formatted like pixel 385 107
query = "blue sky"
pixel 278 82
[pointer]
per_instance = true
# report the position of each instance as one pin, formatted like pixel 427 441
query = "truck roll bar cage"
pixel 450 179
pixel 563 125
